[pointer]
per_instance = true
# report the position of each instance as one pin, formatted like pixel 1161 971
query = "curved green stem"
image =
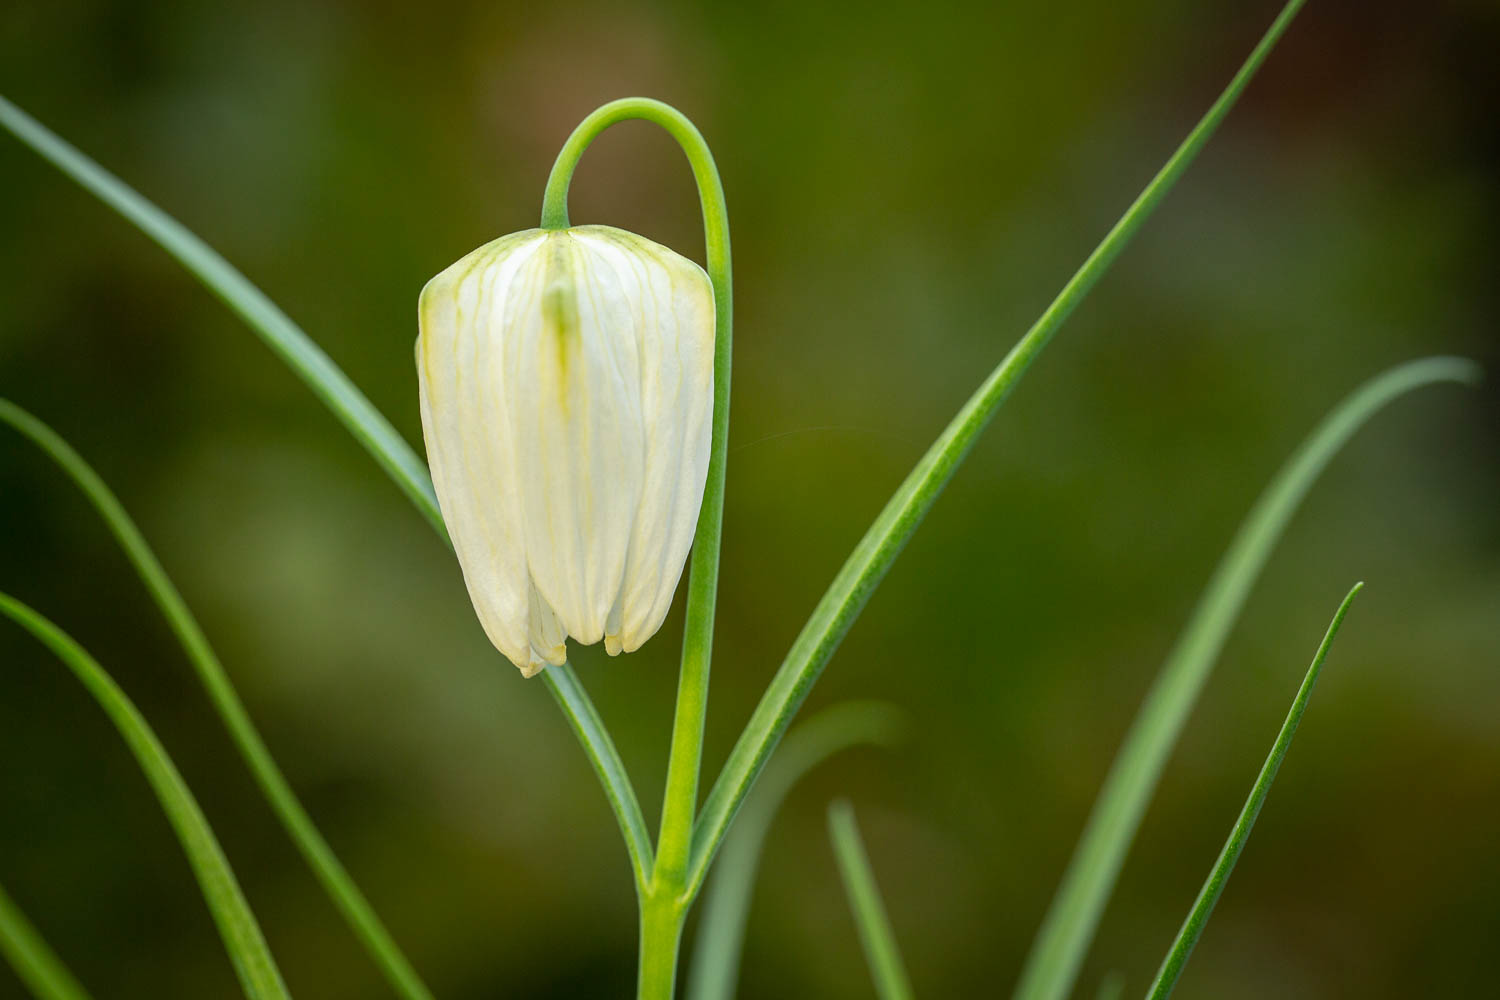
pixel 336 881
pixel 674 845
pixel 242 937
pixel 43 973
pixel 877 550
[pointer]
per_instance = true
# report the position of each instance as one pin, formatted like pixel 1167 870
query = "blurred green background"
pixel 908 186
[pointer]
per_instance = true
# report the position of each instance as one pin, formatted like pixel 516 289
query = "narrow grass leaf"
pixel 884 540
pixel 327 381
pixel 242 937
pixel 875 934
pixel 1203 906
pixel 285 338
pixel 346 896
pixel 37 965
pixel 579 711
pixel 721 931
pixel 1052 966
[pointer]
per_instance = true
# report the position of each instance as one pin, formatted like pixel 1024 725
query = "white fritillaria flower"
pixel 567 397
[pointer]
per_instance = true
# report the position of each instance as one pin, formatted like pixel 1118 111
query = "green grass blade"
pixel 1052 966
pixel 241 934
pixel 346 896
pixel 284 337
pixel 38 967
pixel 875 934
pixel 567 690
pixel 721 932
pixel 327 381
pixel 1111 987
pixel 1203 906
pixel 580 713
pixel 875 553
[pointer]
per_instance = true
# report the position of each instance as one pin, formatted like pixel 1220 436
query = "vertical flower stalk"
pixel 664 900
pixel 575 404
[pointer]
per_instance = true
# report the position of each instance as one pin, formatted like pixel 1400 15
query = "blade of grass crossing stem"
pixel 1052 966
pixel 37 965
pixel 335 880
pixel 875 934
pixel 875 553
pixel 1203 906
pixel 242 937
pixel 327 381
pixel 721 931
pixel 579 710
pixel 285 338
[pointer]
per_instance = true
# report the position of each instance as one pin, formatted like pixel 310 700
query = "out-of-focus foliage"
pixel 907 189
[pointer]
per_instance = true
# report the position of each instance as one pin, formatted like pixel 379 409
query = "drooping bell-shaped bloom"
pixel 567 397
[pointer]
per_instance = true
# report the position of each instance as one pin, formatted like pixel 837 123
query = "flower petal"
pixel 673 303
pixel 461 380
pixel 575 410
